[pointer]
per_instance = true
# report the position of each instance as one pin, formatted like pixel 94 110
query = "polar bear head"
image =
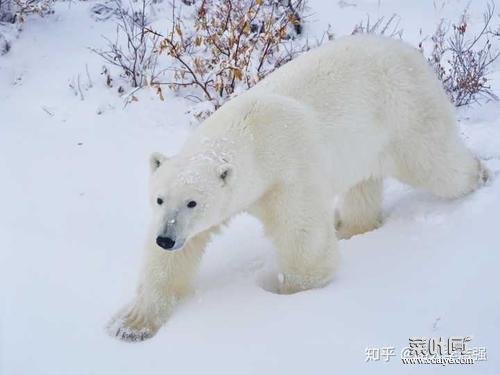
pixel 188 195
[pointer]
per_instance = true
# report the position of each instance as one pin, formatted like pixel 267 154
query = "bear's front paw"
pixel 133 325
pixel 294 283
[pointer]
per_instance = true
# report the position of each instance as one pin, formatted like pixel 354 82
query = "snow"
pixel 75 210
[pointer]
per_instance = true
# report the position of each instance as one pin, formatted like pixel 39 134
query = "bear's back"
pixel 356 73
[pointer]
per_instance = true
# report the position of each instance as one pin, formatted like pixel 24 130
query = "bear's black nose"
pixel 165 242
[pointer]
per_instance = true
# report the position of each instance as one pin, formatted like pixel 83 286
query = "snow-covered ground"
pixel 74 211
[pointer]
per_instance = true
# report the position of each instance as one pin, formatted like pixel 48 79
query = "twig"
pixel 79 87
pixel 90 84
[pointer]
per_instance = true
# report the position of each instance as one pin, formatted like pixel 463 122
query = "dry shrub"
pixel 13 11
pixel 381 26
pixel 226 46
pixel 134 49
pixel 7 11
pixel 106 10
pixel 461 59
pixel 217 48
pixel 4 44
pixel 27 7
pixel 13 14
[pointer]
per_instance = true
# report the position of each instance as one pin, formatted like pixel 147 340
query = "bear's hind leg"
pixel 359 209
pixel 448 169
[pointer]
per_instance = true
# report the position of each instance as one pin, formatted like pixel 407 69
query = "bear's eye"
pixel 159 201
pixel 192 204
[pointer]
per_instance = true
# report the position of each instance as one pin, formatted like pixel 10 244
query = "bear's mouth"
pixel 179 244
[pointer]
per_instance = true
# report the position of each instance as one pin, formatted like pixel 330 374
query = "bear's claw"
pixel 129 335
pixel 130 326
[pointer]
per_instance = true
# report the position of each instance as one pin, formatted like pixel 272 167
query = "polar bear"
pixel 332 123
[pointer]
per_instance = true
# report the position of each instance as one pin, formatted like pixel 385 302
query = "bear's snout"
pixel 165 242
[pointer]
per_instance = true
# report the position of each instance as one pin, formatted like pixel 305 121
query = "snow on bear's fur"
pixel 333 122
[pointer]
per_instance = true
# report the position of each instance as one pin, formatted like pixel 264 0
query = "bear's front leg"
pixel 166 278
pixel 307 262
pixel 302 229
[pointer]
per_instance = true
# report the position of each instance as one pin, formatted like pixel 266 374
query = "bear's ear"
pixel 156 160
pixel 225 172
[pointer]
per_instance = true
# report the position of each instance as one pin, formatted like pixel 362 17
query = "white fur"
pixel 333 122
